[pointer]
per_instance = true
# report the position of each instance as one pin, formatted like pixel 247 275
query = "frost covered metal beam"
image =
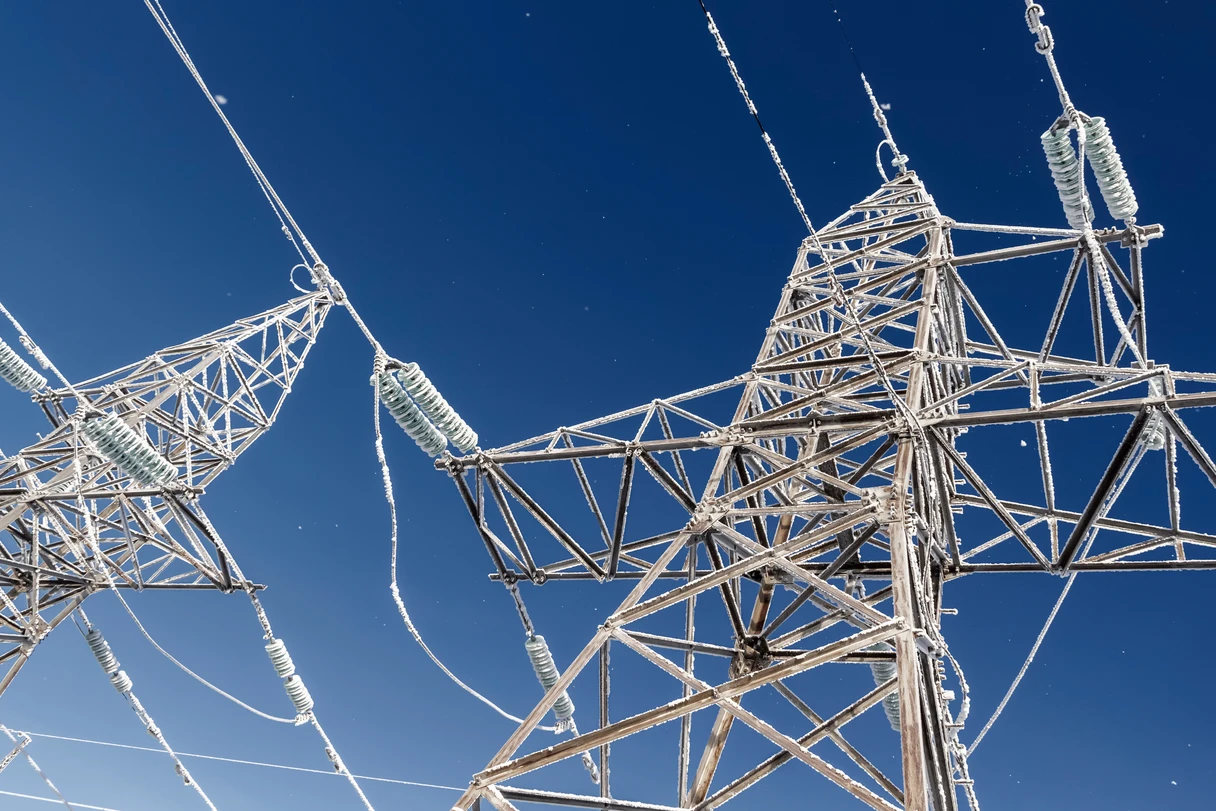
pixel 804 494
pixel 1034 248
pixel 73 522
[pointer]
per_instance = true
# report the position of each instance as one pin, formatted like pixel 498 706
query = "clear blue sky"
pixel 560 210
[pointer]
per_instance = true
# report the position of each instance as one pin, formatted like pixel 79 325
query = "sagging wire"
pixel 1142 447
pixel 394 589
pixel 192 674
pixel 1068 172
pixel 293 686
pixel 322 277
pixel 415 419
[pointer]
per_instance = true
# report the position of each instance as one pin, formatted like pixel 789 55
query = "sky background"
pixel 560 210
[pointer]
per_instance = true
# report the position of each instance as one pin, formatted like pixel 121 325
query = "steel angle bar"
pixel 545 520
pixel 992 501
pixel 822 730
pixel 700 700
pixel 837 738
pixel 713 388
pixel 1070 548
pixel 1016 252
pixel 793 748
pixel 577 800
pixel 1196 450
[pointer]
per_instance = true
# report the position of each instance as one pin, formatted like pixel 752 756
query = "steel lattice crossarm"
pixel 195 407
pixel 826 489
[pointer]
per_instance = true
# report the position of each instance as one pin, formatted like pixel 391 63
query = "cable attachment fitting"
pixel 322 278
pixel 335 759
pixel 898 159
pixel 1033 14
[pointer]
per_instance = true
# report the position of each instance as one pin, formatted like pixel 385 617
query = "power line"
pixel 847 40
pixel 411 783
pixel 36 798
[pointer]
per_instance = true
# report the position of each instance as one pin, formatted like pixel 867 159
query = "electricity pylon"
pixel 197 405
pixel 806 516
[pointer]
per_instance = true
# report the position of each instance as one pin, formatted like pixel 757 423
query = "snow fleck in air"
pixel 221 99
pixel 1173 782
pixel 885 107
pixel 1023 443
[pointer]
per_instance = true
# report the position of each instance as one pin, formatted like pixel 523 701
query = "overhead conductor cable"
pixel 122 683
pixel 394 589
pixel 8 733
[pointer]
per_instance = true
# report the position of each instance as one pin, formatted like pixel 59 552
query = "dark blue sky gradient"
pixel 560 210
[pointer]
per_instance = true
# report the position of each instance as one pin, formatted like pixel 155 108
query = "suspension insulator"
pixel 1108 171
pixel 409 416
pixel 123 447
pixel 1068 177
pixel 121 681
pixel 101 650
pixel 436 408
pixel 547 674
pixel 281 659
pixel 17 373
pixel 883 672
pixel 298 694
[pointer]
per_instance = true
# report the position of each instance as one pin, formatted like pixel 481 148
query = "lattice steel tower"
pixel 192 409
pixel 815 507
